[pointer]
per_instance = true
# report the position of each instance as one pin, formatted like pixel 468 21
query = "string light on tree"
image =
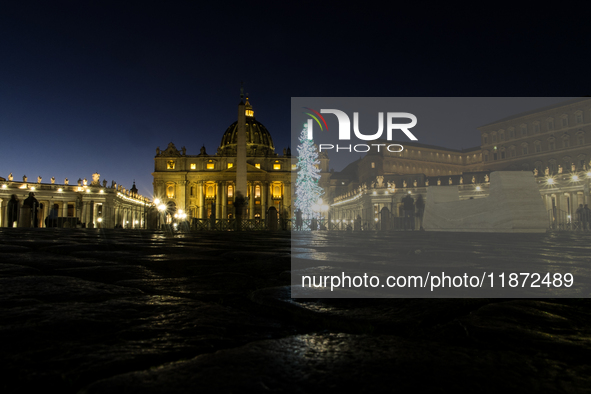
pixel 308 192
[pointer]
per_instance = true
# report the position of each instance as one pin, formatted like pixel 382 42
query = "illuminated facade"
pixel 90 205
pixel 554 143
pixel 204 185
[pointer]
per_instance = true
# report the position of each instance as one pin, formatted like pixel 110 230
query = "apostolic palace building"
pixel 553 143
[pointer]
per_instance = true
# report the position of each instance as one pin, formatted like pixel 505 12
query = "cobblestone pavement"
pixel 109 311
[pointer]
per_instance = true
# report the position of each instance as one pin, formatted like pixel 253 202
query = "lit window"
pixel 170 165
pixel 373 165
pixel 249 113
pixel 276 166
pixel 230 165
pixel 257 191
pixel 230 191
pixel 258 165
pixel 210 166
pixel 294 166
pixel 170 191
pixel 193 166
pixel 210 192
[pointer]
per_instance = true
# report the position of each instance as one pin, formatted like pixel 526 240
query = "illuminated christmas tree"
pixel 307 190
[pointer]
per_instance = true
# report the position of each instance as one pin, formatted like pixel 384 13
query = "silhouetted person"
pixel 33 204
pixel 239 202
pixel 420 204
pixel 579 212
pixel 12 210
pixel 586 217
pixel 408 204
pixel 299 220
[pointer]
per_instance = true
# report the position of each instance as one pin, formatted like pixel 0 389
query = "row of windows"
pixel 171 164
pixel 434 156
pixel 537 147
pixel 523 130
pixel 210 191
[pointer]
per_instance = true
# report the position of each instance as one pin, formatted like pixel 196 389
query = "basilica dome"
pixel 258 138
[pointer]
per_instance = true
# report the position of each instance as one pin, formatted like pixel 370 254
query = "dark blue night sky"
pixel 97 86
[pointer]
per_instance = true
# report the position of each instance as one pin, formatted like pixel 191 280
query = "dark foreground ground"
pixel 112 311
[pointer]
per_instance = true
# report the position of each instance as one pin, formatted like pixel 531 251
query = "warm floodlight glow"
pixel 87 190
pixel 100 220
pixel 589 174
pixel 575 178
pixel 157 201
pixel 478 188
pixel 3 186
pixel 60 190
pixel 161 207
pixel 550 181
pixel 102 191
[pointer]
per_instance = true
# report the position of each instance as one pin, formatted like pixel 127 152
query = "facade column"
pixel 65 208
pixel 201 194
pixel 218 200
pixel 287 199
pixel 224 200
pixel 3 213
pixel 264 191
pixel 251 201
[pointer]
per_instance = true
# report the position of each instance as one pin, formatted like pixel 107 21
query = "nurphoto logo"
pixel 345 129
